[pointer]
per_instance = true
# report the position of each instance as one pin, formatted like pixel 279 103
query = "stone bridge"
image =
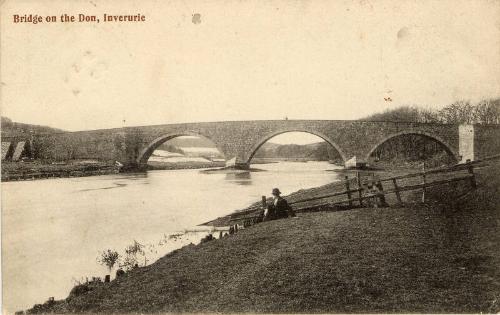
pixel 239 140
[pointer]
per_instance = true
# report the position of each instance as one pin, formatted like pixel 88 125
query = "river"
pixel 53 230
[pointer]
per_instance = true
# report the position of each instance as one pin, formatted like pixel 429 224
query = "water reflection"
pixel 116 185
pixel 240 178
pixel 132 176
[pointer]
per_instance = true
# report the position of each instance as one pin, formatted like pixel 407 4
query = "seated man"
pixel 279 208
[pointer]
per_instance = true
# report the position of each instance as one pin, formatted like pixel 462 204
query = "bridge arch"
pixel 267 137
pixel 145 153
pixel 448 148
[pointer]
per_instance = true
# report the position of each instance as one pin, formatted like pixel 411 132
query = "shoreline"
pixel 37 170
pixel 399 243
pixel 21 171
pixel 311 193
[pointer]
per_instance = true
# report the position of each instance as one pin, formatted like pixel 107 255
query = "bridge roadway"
pixel 239 140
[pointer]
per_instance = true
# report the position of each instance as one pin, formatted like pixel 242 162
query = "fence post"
pixel 348 190
pixel 470 169
pixel 396 189
pixel 423 182
pixel 358 179
pixel 381 195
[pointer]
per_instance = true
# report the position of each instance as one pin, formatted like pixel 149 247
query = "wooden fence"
pixel 369 191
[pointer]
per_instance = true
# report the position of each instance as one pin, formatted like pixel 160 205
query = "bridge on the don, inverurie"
pixel 239 140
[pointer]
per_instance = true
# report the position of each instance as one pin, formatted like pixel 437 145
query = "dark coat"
pixel 281 210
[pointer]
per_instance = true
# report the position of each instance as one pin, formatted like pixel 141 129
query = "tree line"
pixel 313 151
pixel 418 148
pixel 460 112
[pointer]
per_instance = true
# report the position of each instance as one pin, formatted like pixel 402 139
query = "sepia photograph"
pixel 246 156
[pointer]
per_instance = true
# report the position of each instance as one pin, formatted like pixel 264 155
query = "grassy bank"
pixel 45 169
pixel 436 257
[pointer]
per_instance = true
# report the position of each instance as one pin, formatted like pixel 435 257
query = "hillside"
pixel 15 129
pixel 438 257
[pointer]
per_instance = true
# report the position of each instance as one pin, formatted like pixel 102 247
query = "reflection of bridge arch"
pixel 267 137
pixel 451 152
pixel 153 145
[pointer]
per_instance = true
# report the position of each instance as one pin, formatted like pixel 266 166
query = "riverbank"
pixel 31 170
pixel 36 169
pixel 302 194
pixel 153 165
pixel 441 256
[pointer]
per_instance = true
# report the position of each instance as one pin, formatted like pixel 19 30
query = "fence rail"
pixel 373 189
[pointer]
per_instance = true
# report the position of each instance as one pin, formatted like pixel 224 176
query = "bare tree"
pixel 488 112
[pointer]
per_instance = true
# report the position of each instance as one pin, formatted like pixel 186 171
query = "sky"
pixel 194 61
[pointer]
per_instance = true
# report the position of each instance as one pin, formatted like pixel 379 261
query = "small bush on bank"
pixel 79 290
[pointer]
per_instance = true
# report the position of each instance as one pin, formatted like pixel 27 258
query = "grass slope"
pixel 438 257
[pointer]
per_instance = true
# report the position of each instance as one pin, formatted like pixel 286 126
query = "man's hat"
pixel 276 191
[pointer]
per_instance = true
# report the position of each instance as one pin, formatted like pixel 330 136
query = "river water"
pixel 53 230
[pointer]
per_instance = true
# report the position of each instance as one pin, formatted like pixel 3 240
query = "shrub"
pixel 109 258
pixel 79 290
